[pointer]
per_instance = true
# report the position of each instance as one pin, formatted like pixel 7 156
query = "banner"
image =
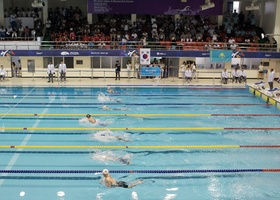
pixel 154 7
pixel 145 56
pixel 150 71
pixel 220 55
pixel 132 52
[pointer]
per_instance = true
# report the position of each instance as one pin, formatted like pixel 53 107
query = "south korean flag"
pixel 145 56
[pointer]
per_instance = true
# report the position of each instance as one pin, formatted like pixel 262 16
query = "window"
pixel 79 62
pixel 236 6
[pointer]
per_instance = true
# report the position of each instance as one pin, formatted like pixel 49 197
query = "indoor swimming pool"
pixel 184 143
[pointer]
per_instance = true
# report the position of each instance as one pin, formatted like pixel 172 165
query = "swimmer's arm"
pixel 108 182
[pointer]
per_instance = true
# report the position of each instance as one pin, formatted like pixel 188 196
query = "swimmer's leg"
pixel 133 184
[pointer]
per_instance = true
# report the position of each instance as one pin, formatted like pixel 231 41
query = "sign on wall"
pixel 154 7
pixel 150 71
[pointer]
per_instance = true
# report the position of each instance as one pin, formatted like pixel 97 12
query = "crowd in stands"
pixel 69 28
pixel 15 29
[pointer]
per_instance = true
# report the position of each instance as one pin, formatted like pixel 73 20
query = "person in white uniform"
pixel 225 76
pixel 2 72
pixel 62 70
pixel 271 79
pixel 188 75
pixel 50 71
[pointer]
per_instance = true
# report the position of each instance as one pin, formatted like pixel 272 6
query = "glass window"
pixel 69 61
pixel 95 62
pixel 46 61
pixel 57 61
pixel 105 62
pixel 124 61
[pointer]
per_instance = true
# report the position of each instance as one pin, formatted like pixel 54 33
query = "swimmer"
pixel 102 97
pixel 93 121
pixel 90 119
pixel 110 156
pixel 109 181
pixel 108 108
pixel 108 135
pixel 110 90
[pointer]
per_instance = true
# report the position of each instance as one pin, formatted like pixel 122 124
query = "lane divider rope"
pixel 3 129
pixel 139 147
pixel 138 115
pixel 139 171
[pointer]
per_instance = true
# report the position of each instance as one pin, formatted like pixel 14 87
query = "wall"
pixel 269 10
pixel 82 4
pixel 86 62
pixel 39 70
pixel 6 62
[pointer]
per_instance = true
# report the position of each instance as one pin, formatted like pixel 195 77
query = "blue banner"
pixel 220 55
pixel 150 71
pixel 135 53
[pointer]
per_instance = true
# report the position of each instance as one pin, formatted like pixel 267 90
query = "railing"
pixel 161 45
pixel 109 73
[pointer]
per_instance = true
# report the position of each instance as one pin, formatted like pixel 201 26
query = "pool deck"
pixel 124 82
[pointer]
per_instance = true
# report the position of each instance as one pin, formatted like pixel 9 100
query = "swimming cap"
pixel 105 171
pixel 88 115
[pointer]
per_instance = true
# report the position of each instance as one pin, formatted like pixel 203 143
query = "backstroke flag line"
pixel 220 55
pixel 145 55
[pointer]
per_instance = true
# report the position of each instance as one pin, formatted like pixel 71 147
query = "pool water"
pixel 211 135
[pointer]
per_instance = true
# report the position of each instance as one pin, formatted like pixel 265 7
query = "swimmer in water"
pixel 110 156
pixel 94 121
pixel 90 119
pixel 110 90
pixel 108 108
pixel 109 181
pixel 102 97
pixel 108 135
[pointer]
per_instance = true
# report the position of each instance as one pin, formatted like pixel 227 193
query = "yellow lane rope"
pixel 123 147
pixel 112 129
pixel 100 114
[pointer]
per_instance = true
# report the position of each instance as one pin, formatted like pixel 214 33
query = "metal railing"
pixel 104 74
pixel 161 45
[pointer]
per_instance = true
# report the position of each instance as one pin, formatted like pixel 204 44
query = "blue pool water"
pixel 143 117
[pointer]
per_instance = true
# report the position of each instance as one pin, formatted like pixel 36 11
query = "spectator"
pixel 48 24
pixel 26 32
pixel 13 22
pixel 261 68
pixel 117 70
pixel 2 72
pixel 235 75
pixel 2 32
pixel 137 69
pixel 128 67
pixel 9 31
pixel 243 76
pixel 225 76
pixel 188 75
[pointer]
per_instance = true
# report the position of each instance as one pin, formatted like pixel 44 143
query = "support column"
pixel 89 18
pixel 2 19
pixel 277 22
pixel 45 11
pixel 133 18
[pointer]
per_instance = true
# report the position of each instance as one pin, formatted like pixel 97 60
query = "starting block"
pixel 273 92
pixel 259 85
